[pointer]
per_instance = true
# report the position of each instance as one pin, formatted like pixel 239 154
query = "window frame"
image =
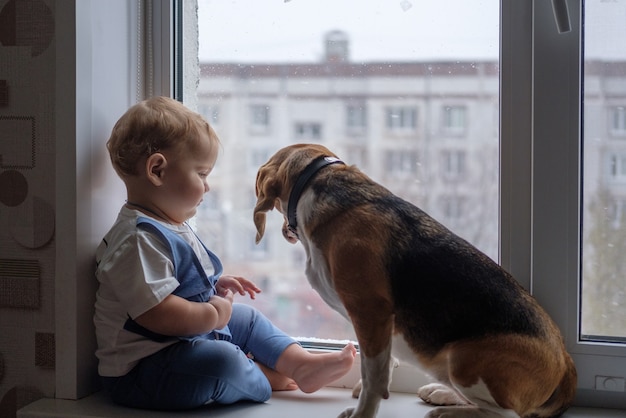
pixel 540 156
pixel 556 197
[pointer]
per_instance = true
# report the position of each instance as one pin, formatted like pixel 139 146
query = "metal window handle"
pixel 561 15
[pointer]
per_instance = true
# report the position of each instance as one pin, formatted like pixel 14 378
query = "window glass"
pixel 603 302
pixel 374 82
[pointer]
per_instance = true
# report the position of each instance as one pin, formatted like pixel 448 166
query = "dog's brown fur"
pixel 398 272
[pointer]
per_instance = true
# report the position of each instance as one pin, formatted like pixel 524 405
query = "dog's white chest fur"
pixel 319 278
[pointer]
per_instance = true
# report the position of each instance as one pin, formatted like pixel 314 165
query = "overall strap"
pixel 195 285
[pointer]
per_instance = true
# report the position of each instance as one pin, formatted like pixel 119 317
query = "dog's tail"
pixel 563 395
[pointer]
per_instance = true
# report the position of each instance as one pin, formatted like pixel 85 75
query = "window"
pixel 452 209
pixel 259 118
pixel 544 211
pixel 356 118
pixel 576 273
pixel 401 163
pixel 617 167
pixel 401 118
pixel 453 164
pixel 617 118
pixel 308 131
pixel 603 307
pixel 334 86
pixel 454 119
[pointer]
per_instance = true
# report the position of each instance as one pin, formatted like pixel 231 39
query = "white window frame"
pixel 541 142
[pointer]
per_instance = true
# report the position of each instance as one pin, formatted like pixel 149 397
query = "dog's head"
pixel 275 180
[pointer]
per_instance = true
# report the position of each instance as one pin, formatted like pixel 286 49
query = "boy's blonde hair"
pixel 154 125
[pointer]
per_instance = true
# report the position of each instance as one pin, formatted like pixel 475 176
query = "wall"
pixel 27 201
pixel 65 79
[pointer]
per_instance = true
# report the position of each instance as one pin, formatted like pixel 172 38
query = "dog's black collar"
pixel 306 175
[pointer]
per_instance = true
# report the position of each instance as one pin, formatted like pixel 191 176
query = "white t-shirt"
pixel 135 274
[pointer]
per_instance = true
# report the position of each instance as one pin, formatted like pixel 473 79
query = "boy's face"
pixel 185 179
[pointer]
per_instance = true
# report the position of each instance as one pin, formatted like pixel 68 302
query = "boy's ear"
pixel 155 168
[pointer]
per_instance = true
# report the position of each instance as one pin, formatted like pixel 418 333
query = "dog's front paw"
pixel 438 394
pixel 356 390
pixel 347 413
pixel 357 412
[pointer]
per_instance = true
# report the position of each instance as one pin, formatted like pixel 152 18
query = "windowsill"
pixel 328 402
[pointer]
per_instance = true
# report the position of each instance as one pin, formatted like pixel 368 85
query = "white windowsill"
pixel 328 402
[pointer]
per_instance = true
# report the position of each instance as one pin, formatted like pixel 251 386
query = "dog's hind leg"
pixel 512 373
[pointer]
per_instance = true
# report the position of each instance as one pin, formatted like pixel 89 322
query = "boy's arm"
pixel 177 316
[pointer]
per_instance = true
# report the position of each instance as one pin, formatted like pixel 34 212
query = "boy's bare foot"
pixel 278 382
pixel 312 371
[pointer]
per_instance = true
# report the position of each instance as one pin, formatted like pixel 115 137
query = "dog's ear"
pixel 267 191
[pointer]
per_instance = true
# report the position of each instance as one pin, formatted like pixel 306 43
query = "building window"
pixel 308 131
pixel 617 121
pixel 356 118
pixel 451 209
pixel 453 164
pixel 259 118
pixel 454 119
pixel 617 167
pixel 401 118
pixel 401 163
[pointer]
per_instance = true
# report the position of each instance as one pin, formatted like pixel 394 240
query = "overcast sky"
pixel 293 30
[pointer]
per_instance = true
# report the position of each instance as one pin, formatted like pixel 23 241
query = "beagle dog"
pixel 411 287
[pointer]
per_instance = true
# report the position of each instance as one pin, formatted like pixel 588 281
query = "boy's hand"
pixel 237 284
pixel 223 304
